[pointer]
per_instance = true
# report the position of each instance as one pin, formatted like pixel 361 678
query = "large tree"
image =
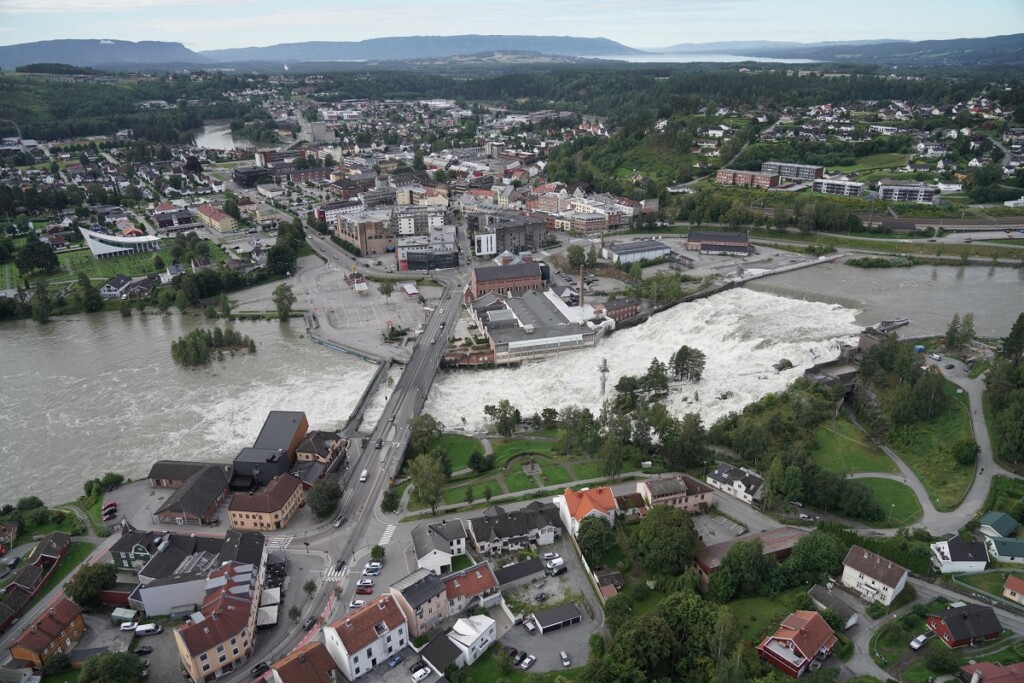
pixel 87 584
pixel 111 667
pixel 1013 343
pixel 89 296
pixel 36 256
pixel 428 480
pixel 284 299
pixel 665 540
pixel 744 571
pixel 506 417
pixel 386 289
pixel 424 433
pixel 323 497
pixel 688 363
pixel 595 538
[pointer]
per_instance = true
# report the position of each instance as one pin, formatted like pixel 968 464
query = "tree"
pixel 389 501
pixel 744 571
pixel 578 431
pixel 665 540
pixel 595 538
pixel 812 559
pixel 953 332
pixel 41 304
pixel 685 442
pixel 284 299
pixel 688 363
pixel 294 613
pixel 126 308
pixel 488 493
pixel 617 610
pixel 643 643
pixel 428 480
pixel 424 433
pixel 965 451
pixel 478 462
pixel 967 332
pixel 576 256
pixel 85 586
pixel 111 667
pixel 470 496
pixel 89 296
pixel 36 256
pixel 1013 343
pixel 323 497
pixel 386 289
pixel 377 553
pixel 309 588
pixel 506 417
pixel 549 416
pixel 181 301
pixel 56 664
pixel 612 457
pixel 230 207
pixel 833 619
pixel 592 256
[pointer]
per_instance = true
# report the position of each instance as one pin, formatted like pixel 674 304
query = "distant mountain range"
pixel 115 54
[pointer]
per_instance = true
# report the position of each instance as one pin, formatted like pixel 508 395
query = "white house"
pixel 436 545
pixel 739 482
pixel 498 531
pixel 473 635
pixel 574 507
pixel 872 576
pixel 1006 549
pixel 115 287
pixel 362 640
pixel 956 555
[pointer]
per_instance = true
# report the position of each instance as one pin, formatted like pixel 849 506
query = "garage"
pixel 557 618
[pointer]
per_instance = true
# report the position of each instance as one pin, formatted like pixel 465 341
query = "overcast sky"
pixel 210 24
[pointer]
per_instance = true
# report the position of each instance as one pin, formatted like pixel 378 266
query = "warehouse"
pixel 633 252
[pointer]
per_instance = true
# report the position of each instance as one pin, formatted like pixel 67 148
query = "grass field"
pixel 1003 494
pixel 554 474
pixel 761 615
pixel 870 163
pixel 897 501
pixel 844 449
pixel 924 448
pixel 459 449
pixel 503 450
pixel 588 470
pixel 518 481
pixel 897 247
pixel 75 556
pixel 990 582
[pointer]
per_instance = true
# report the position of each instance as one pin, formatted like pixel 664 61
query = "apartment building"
pixel 216 219
pixel 793 171
pixel 905 191
pixel 364 639
pixel 369 231
pixel 845 188
pixel 270 509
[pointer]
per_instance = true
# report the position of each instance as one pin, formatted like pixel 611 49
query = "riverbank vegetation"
pixel 1005 385
pixel 200 346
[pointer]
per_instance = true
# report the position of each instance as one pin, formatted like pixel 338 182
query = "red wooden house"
pixel 802 638
pixel 959 626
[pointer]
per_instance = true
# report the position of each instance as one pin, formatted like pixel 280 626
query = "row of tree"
pixel 1005 391
pixel 199 346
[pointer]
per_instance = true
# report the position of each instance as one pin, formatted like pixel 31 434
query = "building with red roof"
pixel 311 663
pixel 575 506
pixel 1013 589
pixel 802 638
pixel 367 637
pixel 57 630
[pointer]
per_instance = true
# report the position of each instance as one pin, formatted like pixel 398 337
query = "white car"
pixel 421 674
pixel 549 556
pixel 527 663
pixel 566 662
pixel 356 603
pixel 918 643
pixel 365 582
pixel 129 626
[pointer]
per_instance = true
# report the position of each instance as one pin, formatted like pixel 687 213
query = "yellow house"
pixel 269 509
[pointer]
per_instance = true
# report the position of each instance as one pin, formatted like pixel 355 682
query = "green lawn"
pixel 870 163
pixel 990 582
pixel 897 501
pixel 459 449
pixel 924 448
pixel 457 494
pixel 503 450
pixel 75 556
pixel 1004 494
pixel 588 470
pixel 518 481
pixel 66 677
pixel 71 525
pixel 761 615
pixel 460 562
pixel 555 474
pixel 844 449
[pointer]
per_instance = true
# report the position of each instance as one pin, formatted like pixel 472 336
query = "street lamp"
pixel 891 508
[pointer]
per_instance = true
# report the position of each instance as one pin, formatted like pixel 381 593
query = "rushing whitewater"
pixel 743 333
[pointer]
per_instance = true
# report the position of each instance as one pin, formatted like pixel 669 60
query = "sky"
pixel 212 24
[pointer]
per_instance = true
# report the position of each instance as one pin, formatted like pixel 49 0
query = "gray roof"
pixel 419 587
pixel 179 470
pixel 518 571
pixel 970 621
pixel 514 270
pixel 703 236
pixel 966 551
pixel 496 523
pixel 198 492
pixel 317 442
pixel 828 600
pixel 128 541
pixel 877 567
pixel 727 474
pixel 440 652
pixel 624 248
pixel 245 547
pixel 279 429
pixel 666 486
pixel 556 615
pixel 429 537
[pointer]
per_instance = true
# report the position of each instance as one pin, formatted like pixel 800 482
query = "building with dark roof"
pixel 679 491
pixel 965 625
pixel 826 599
pixel 634 252
pixel 739 482
pixel 497 531
pixel 270 509
pixel 512 279
pixel 440 653
pixel 872 576
pixel 171 474
pixel 244 547
pixel 955 555
pixel 513 573
pixel 196 500
pixel 436 544
pixel 362 640
pixel 777 542
pixel 282 430
pixel 58 629
pixel 254 467
pixel 421 597
pixel 735 243
pixel 318 446
pixel 557 618
pixel 134 549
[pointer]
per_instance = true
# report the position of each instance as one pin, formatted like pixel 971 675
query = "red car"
pixel 364 590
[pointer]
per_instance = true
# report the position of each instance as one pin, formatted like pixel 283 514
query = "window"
pixel 206 667
pixel 202 657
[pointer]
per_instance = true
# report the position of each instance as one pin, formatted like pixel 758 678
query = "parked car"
pixel 356 603
pixel 549 556
pixel 527 663
pixel 259 669
pixel 110 504
pixel 530 627
pixel 558 570
pixel 950 366
pixel 540 597
pixel 918 643
pixel 518 659
pixel 129 626
pixel 365 582
pixel 143 650
pixel 364 590
pixel 308 624
pixel 395 661
pixel 416 666
pixel 566 662
pixel 421 674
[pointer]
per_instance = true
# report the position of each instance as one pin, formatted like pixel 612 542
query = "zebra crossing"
pixel 388 533
pixel 333 574
pixel 280 542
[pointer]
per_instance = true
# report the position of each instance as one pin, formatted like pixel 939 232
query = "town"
pixel 829 493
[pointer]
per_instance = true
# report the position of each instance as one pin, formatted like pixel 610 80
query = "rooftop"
pixel 877 567
pixel 368 623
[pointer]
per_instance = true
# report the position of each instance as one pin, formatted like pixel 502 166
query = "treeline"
pixel 1005 385
pixel 776 435
pixel 831 153
pixel 198 346
pixel 57 68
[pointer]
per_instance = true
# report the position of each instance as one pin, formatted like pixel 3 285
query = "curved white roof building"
pixel 103 246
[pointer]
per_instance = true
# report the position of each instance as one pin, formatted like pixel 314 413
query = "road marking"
pixel 388 533
pixel 281 542
pixel 333 574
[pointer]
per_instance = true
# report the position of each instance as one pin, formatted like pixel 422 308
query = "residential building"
pixel 846 188
pixel 220 636
pixel 254 467
pixel 58 629
pixel 776 542
pixel 367 637
pixel 311 663
pixel 436 544
pixel 318 446
pixel 679 491
pixel 574 507
pixel 728 176
pixel 102 245
pixel 472 635
pixel 905 191
pixel 825 598
pixel 801 638
pixel 634 252
pixel 497 531
pixel 421 598
pixel 872 576
pixel 197 499
pixel 965 625
pixel 739 482
pixel 470 588
pixel 505 280
pixel 956 555
pixel 989 672
pixel 498 231
pixel 994 524
pixel 214 218
pixel 587 224
pixel 1013 589
pixel 735 243
pixel 804 172
pixel 175 220
pixel 270 509
pixel 1006 549
pixel 134 549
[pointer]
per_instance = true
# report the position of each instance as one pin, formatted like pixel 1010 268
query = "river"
pixel 85 395
pixel 218 136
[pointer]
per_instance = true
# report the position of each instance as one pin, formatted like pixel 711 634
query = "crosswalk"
pixel 333 574
pixel 388 533
pixel 280 542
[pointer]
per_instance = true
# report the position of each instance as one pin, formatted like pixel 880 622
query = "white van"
pixel 364 475
pixel 148 629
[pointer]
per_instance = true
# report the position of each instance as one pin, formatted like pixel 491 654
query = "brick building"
pixel 516 278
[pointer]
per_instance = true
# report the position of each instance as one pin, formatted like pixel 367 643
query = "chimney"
pixel 53 612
